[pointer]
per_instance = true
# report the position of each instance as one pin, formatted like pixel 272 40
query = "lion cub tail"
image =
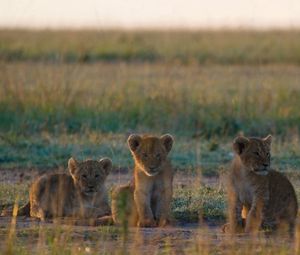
pixel 22 211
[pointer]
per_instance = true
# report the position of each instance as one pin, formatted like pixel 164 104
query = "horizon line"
pixel 152 28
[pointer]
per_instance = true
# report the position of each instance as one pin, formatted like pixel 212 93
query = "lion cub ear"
pixel 268 140
pixel 167 141
pixel 72 165
pixel 106 164
pixel 239 144
pixel 134 141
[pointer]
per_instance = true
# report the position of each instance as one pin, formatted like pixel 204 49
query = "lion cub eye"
pixel 256 153
pixel 84 176
pixel 97 175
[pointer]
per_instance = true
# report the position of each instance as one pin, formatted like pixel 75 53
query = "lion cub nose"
pixel 152 168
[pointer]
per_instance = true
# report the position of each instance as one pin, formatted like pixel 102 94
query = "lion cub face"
pixel 150 152
pixel 89 175
pixel 254 153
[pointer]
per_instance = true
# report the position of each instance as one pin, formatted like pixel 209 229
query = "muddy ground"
pixel 179 239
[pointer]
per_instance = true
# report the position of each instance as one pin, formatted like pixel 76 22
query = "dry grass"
pixel 194 100
pixel 50 112
pixel 204 47
pixel 81 93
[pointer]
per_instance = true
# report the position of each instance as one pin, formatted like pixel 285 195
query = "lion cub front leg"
pixel 254 217
pixel 142 202
pixel 162 210
pixel 235 216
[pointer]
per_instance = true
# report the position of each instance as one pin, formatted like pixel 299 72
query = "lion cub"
pixel 265 197
pixel 81 194
pixel 146 201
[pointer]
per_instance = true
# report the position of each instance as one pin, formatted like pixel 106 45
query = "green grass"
pixel 194 204
pixel 11 193
pixel 189 155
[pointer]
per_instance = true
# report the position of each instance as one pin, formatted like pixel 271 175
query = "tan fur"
pixel 265 197
pixel 146 202
pixel 123 208
pixel 81 194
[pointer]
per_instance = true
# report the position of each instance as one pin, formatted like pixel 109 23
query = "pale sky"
pixel 150 14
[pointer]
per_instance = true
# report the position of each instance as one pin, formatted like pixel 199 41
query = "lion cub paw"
pixel 147 223
pixel 166 222
pixel 226 228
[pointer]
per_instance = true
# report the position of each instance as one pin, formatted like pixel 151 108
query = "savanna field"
pixel 82 93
